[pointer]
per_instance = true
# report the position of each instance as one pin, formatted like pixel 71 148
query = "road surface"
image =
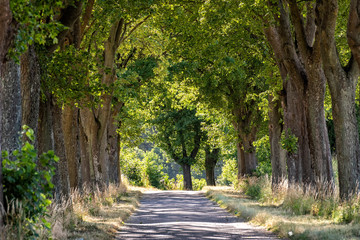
pixel 186 215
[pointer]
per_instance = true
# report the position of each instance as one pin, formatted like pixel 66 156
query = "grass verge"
pixel 98 216
pixel 283 222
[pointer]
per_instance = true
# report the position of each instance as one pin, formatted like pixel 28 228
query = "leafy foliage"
pixel 37 23
pixel 27 178
pixel 289 141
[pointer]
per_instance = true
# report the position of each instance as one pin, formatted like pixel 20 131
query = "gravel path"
pixel 185 215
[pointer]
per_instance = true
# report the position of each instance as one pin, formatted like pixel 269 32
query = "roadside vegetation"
pixel 83 215
pixel 293 213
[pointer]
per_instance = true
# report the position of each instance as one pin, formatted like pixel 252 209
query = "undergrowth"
pixel 295 213
pixel 85 214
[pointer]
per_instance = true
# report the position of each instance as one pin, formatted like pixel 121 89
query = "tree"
pixel 178 132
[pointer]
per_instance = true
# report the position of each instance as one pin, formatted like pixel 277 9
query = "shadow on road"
pixel 185 215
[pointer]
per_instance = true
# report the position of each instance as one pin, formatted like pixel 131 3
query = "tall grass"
pixel 65 216
pixel 293 212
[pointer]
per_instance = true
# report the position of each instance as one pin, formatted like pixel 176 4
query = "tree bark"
pixel 304 84
pixel 241 160
pixel 70 125
pixel 7 34
pixel 113 151
pixel 342 83
pixel 211 158
pixel 187 176
pixel 11 105
pixel 278 155
pixel 30 89
pixel 85 162
pixel 62 185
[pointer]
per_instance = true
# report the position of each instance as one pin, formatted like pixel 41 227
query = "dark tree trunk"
pixel 113 150
pixel 187 176
pixel 30 89
pixel 84 159
pixel 211 158
pixel 250 152
pixel 61 178
pixel 342 83
pixel 70 115
pixel 45 134
pixel 7 34
pixel 11 105
pixel 241 160
pixel 347 136
pixel 278 155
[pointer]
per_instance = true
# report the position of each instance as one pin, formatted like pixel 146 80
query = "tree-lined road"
pixel 186 215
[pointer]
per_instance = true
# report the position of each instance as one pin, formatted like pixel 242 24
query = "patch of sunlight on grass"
pixel 281 221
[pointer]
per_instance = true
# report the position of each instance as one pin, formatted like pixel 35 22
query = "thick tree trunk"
pixel 7 34
pixel 347 136
pixel 85 162
pixel 113 150
pixel 241 160
pixel 11 105
pixel 299 162
pixel 187 176
pixel 304 84
pixel 45 134
pixel 61 181
pixel 342 83
pixel 70 118
pixel 211 158
pixel 250 152
pixel 278 155
pixel 30 89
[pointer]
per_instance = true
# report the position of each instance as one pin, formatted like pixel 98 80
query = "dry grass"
pixel 269 211
pixel 84 215
pixel 99 215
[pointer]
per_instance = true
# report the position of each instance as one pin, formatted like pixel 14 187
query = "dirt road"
pixel 185 215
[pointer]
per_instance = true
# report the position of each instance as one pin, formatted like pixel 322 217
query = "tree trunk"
pixel 7 34
pixel 278 155
pixel 113 150
pixel 85 162
pixel 300 66
pixel 241 160
pixel 342 83
pixel 187 176
pixel 211 158
pixel 250 152
pixel 30 89
pixel 71 140
pixel 61 181
pixel 45 134
pixel 347 136
pixel 11 105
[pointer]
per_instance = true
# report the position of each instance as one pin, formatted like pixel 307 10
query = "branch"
pixel 69 15
pixel 86 17
pixel 135 27
pixel 353 31
pixel 299 28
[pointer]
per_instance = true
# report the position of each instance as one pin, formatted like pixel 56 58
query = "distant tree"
pixel 178 132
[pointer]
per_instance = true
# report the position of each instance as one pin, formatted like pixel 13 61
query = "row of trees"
pixel 231 47
pixel 76 71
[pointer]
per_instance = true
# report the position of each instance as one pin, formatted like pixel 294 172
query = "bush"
pixel 198 184
pixel 263 155
pixel 27 185
pixel 229 173
pixel 153 171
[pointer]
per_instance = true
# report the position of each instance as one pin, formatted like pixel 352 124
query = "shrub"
pixel 229 173
pixel 27 185
pixel 198 184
